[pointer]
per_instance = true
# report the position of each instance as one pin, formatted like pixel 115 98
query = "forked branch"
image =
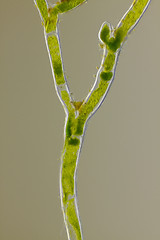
pixel 78 113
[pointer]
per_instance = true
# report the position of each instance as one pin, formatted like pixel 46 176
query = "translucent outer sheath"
pixel 78 113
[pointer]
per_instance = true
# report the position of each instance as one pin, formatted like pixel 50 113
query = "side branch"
pixel 60 81
pixel 49 17
pixel 112 40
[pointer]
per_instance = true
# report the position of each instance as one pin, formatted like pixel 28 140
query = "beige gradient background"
pixel 119 168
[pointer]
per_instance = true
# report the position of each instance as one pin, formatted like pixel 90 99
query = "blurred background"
pixel 119 168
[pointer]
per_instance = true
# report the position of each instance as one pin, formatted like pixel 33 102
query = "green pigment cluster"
pixel 78 113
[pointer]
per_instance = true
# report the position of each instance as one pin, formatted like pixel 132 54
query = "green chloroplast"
pixel 78 113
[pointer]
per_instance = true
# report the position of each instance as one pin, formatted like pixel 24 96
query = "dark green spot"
pixel 79 130
pixel 106 76
pixel 74 141
pixel 68 128
pixel 57 69
pixel 115 42
pixel 104 33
